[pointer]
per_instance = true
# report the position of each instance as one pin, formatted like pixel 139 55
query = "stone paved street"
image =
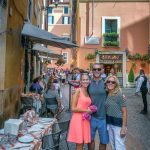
pixel 138 136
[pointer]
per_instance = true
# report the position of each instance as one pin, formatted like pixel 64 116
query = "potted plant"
pixel 60 62
pixel 131 78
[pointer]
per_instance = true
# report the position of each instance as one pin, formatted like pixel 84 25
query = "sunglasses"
pixel 112 82
pixel 98 69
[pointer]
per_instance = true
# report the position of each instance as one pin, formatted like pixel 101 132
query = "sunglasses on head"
pixel 98 69
pixel 112 82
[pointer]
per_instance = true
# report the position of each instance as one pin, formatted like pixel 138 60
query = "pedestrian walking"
pixel 79 131
pixel 98 95
pixel 143 87
pixel 35 86
pixel 116 114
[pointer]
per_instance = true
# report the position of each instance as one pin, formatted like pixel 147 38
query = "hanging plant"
pixel 60 62
pixel 130 57
pixel 145 57
pixel 137 56
pixel 90 56
pixel 148 61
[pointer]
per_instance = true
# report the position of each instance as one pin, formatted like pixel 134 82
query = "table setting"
pixel 28 130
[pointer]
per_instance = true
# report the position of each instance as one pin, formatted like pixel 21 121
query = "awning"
pixel 42 36
pixel 43 49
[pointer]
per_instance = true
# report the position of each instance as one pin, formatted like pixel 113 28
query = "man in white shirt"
pixel 143 87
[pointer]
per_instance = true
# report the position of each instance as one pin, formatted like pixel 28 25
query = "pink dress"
pixel 79 131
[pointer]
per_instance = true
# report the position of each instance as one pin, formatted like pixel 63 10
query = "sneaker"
pixel 143 112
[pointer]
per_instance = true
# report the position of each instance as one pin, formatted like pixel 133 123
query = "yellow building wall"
pixel 13 65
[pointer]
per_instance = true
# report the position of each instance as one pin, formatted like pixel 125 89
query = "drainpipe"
pixel 92 16
pixel 149 39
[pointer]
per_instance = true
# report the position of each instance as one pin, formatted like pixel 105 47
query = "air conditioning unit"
pixel 92 40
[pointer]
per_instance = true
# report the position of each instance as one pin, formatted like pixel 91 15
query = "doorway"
pixel 107 68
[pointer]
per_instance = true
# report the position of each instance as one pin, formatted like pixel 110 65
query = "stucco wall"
pixel 12 59
pixel 134 20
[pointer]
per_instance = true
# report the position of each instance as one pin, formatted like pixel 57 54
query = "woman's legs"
pixel 79 146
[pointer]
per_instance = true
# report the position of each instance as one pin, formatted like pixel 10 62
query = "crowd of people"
pixel 97 89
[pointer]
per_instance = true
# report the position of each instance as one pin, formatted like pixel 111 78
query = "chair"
pixel 63 126
pixel 51 105
pixel 26 104
pixel 51 141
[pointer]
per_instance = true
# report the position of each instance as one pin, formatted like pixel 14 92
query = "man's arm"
pixel 139 84
pixel 148 86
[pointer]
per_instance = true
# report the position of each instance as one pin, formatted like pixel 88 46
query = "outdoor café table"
pixel 37 100
pixel 37 131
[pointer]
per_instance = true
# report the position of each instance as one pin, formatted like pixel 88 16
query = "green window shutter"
pixel 50 10
pixel 52 19
pixel 114 26
pixel 110 25
pixel 106 26
pixel 66 10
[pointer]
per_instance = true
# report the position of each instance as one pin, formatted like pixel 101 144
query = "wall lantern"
pixel 56 3
pixel 127 51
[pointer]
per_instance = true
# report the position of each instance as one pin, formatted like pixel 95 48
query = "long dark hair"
pixel 82 74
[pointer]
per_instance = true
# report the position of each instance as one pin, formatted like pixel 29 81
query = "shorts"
pixel 100 125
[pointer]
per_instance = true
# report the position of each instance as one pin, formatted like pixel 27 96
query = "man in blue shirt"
pixel 98 95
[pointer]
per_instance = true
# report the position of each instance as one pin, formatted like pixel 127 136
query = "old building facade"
pixel 59 23
pixel 115 31
pixel 13 14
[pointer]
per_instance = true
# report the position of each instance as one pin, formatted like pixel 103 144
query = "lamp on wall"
pixel 46 6
pixel 56 3
pixel 127 51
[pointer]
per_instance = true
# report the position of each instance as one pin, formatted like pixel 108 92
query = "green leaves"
pixel 131 75
pixel 90 56
pixel 111 39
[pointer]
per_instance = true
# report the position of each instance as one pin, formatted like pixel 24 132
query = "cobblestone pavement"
pixel 138 135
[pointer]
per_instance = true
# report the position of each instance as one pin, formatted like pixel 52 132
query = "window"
pixel 110 31
pixel 66 10
pixel 50 10
pixel 110 25
pixel 50 20
pixel 65 57
pixel 65 20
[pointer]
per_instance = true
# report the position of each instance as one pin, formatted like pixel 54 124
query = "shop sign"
pixel 113 57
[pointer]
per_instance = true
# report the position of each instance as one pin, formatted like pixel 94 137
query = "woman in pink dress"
pixel 79 131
